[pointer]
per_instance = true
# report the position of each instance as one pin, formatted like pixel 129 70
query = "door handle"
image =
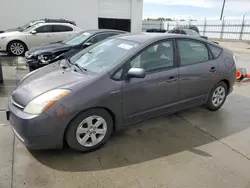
pixel 171 79
pixel 212 69
pixel 48 35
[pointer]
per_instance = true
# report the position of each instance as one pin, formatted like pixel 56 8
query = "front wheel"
pixel 89 130
pixel 217 96
pixel 16 48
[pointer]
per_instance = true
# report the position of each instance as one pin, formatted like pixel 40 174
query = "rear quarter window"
pixel 216 51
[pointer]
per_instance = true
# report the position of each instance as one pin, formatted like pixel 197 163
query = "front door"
pixel 154 94
pixel 43 36
pixel 197 73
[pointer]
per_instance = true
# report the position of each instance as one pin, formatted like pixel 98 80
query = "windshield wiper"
pixel 81 68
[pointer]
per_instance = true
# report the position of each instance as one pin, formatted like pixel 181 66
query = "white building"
pixel 88 14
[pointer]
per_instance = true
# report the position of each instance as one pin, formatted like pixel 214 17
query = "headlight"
pixel 44 101
pixel 44 58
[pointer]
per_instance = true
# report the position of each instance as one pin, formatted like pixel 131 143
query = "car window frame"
pixel 127 64
pixel 44 25
pixel 208 45
pixel 53 25
pixel 210 57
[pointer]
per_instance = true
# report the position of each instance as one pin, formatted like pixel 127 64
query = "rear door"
pixel 61 32
pixel 197 72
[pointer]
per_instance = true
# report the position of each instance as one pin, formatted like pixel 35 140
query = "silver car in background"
pixel 18 42
pixel 115 83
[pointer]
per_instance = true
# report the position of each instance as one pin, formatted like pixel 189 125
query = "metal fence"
pixel 221 29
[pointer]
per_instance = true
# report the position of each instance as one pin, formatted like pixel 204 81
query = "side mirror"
pixel 33 32
pixel 136 73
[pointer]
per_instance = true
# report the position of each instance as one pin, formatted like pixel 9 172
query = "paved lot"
pixel 192 149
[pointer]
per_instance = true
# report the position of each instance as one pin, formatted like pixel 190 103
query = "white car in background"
pixel 18 42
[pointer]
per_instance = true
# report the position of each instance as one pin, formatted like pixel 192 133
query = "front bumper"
pixel 34 64
pixel 36 131
pixel 3 48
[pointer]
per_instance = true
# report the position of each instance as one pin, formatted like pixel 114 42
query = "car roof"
pixel 95 31
pixel 143 38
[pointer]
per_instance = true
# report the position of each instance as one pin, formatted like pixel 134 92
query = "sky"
pixel 195 9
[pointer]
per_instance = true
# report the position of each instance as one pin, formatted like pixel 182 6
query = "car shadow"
pixel 156 138
pixel 143 142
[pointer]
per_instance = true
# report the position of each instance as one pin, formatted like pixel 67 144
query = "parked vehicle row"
pixel 34 22
pixel 17 42
pixel 45 54
pixel 190 30
pixel 117 82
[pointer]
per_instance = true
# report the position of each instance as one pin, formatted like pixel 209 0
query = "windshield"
pixel 23 27
pixel 191 32
pixel 104 55
pixel 31 27
pixel 77 39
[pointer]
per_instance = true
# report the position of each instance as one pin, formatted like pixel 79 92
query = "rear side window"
pixel 62 28
pixel 44 29
pixel 192 52
pixel 216 51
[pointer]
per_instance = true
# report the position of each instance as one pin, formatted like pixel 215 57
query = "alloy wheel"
pixel 218 96
pixel 91 131
pixel 17 48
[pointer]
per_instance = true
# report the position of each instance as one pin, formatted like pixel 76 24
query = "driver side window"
pixel 155 58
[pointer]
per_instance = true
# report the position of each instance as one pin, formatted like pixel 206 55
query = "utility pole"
pixel 222 10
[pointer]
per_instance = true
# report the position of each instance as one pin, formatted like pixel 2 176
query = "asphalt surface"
pixel 195 148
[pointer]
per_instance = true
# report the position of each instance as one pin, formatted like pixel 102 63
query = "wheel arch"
pixel 16 40
pixel 227 83
pixel 222 80
pixel 112 114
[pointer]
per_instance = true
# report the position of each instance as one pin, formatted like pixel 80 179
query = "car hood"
pixel 49 48
pixel 46 79
pixel 11 33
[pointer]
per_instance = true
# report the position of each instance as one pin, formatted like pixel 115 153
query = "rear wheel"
pixel 89 130
pixel 217 96
pixel 16 48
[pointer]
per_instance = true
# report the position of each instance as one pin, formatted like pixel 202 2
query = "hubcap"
pixel 218 96
pixel 17 48
pixel 91 131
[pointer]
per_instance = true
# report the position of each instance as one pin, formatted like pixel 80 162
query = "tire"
pixel 82 124
pixel 31 69
pixel 16 48
pixel 215 95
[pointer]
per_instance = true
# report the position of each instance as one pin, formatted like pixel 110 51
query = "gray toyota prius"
pixel 117 82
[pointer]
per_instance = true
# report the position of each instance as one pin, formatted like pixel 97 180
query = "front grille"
pixel 16 104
